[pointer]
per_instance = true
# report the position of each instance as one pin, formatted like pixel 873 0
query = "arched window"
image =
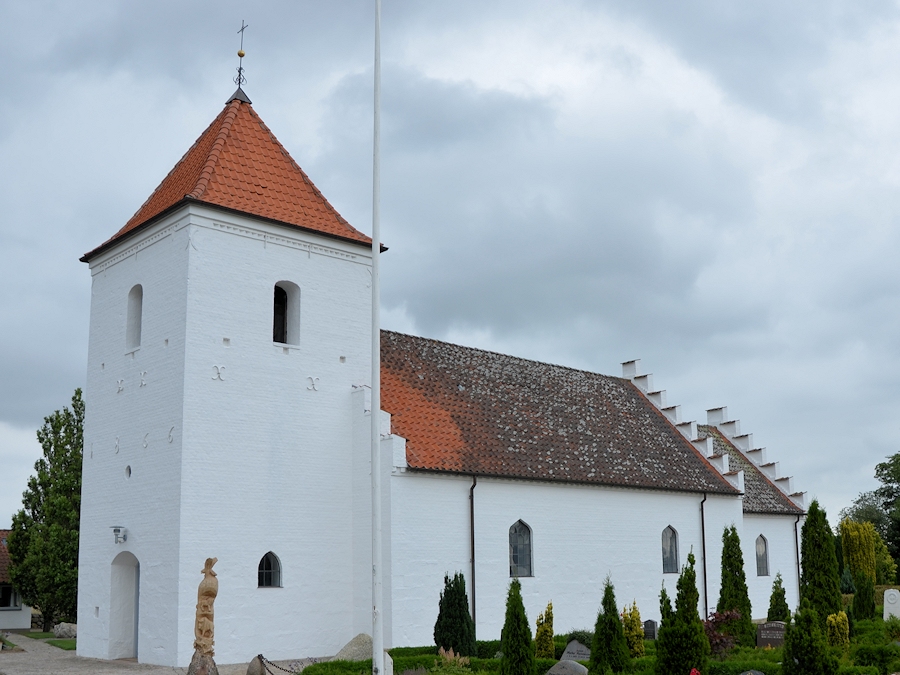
pixel 133 321
pixel 762 557
pixel 269 571
pixel 520 550
pixel 286 313
pixel 670 550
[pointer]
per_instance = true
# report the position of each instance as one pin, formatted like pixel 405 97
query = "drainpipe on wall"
pixel 797 550
pixel 472 542
pixel 703 547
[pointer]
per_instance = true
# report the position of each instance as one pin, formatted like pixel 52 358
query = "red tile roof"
pixel 476 412
pixel 4 558
pixel 238 164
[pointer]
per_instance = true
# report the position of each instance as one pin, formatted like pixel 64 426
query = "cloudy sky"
pixel 710 187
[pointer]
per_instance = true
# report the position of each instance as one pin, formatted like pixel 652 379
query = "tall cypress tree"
pixel 515 639
pixel 682 643
pixel 733 594
pixel 454 628
pixel 609 649
pixel 778 606
pixel 819 581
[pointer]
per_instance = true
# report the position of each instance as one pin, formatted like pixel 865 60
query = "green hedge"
pixel 738 667
pixel 858 670
pixel 413 662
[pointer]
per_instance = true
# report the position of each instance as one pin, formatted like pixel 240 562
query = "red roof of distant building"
pixel 239 165
pixel 4 557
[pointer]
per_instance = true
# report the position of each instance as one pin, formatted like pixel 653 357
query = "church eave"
pixel 727 490
pixel 187 200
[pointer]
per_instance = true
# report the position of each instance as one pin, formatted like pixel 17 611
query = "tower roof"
pixel 237 164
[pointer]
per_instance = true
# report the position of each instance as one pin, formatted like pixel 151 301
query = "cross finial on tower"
pixel 240 79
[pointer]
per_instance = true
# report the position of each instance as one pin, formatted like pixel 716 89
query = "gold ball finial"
pixel 241 53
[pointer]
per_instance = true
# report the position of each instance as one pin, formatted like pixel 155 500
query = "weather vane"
pixel 240 79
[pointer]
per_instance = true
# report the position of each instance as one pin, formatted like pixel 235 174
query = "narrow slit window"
pixel 9 599
pixel 670 550
pixel 134 318
pixel 279 318
pixel 269 571
pixel 762 557
pixel 286 313
pixel 520 550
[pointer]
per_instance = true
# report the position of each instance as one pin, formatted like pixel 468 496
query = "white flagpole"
pixel 377 618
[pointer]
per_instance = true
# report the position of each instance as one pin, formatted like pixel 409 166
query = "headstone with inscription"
pixel 891 603
pixel 770 634
pixel 575 651
pixel 650 628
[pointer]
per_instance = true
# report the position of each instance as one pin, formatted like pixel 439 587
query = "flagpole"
pixel 377 617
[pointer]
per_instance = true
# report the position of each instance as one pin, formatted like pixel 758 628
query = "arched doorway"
pixel 124 606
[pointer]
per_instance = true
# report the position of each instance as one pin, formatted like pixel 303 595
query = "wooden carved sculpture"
pixel 206 596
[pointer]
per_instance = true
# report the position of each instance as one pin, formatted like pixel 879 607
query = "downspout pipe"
pixel 797 551
pixel 703 547
pixel 472 542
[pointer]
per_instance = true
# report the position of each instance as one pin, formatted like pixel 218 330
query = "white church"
pixel 228 408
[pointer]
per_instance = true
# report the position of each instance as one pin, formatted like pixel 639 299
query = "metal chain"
pixel 266 663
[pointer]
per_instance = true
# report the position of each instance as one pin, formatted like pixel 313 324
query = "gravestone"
pixel 568 668
pixel 575 651
pixel 650 629
pixel 770 634
pixel 891 603
pixel 752 672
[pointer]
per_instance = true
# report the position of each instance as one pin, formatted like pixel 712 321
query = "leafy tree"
pixel 819 583
pixel 805 649
pixel 682 644
pixel 733 594
pixel 609 650
pixel 543 637
pixel 634 630
pixel 778 606
pixel 454 628
pixel 43 543
pixel 868 507
pixel 515 638
pixel 864 598
pixel 858 542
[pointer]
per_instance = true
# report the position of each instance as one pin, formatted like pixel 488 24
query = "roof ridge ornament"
pixel 240 79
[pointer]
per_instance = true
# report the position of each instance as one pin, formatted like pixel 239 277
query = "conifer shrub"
pixel 837 631
pixel 681 643
pixel 819 581
pixel 858 542
pixel 847 585
pixel 805 649
pixel 778 606
pixel 454 628
pixel 885 566
pixel 609 650
pixel 733 595
pixel 515 638
pixel 864 598
pixel 584 636
pixel 543 637
pixel 634 630
pixel 892 628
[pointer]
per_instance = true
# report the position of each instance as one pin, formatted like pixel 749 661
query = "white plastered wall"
pixel 779 533
pixel 579 535
pixel 261 453
pixel 15 618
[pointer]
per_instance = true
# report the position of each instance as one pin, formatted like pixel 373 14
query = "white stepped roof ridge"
pixel 631 370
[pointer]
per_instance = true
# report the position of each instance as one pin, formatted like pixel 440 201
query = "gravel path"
pixel 39 658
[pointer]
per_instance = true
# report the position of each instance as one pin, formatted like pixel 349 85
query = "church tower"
pixel 230 322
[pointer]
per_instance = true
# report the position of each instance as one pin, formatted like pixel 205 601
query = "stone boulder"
pixel 568 668
pixel 65 631
pixel 201 664
pixel 358 649
pixel 256 667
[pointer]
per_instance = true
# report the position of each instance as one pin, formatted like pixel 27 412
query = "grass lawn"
pixel 8 642
pixel 37 635
pixel 68 645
